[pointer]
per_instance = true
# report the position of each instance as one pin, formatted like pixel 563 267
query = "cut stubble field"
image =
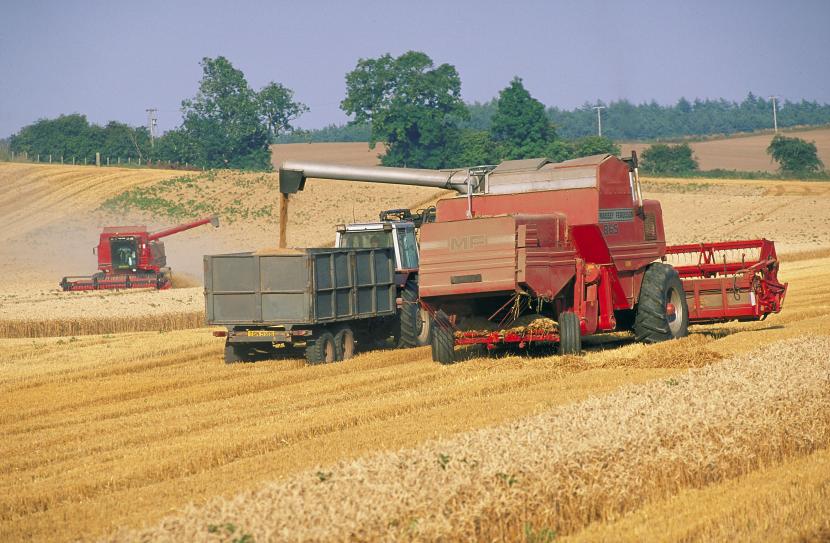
pixel 116 432
pixel 111 431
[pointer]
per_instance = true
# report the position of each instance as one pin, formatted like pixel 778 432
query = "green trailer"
pixel 320 303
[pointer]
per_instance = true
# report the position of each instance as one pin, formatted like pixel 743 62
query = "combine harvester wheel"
pixel 570 341
pixel 662 313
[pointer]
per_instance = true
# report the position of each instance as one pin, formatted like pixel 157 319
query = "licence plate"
pixel 261 333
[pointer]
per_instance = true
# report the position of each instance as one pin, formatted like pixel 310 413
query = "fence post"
pixel 61 159
pixel 25 155
pixel 12 155
pixel 108 161
pixel 50 159
pixel 97 158
pixel 129 159
pixel 73 160
pixel 139 161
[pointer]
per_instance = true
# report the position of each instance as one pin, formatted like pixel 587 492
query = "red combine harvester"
pixel 540 252
pixel 131 257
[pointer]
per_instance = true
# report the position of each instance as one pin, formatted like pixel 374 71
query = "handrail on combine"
pixel 729 279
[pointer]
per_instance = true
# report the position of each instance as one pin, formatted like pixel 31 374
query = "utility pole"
pixel 599 120
pixel 774 113
pixel 152 123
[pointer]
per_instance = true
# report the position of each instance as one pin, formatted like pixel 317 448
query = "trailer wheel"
pixel 415 323
pixel 662 313
pixel 321 350
pixel 443 342
pixel 570 334
pixel 344 343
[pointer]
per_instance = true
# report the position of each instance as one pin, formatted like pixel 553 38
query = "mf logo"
pixel 465 243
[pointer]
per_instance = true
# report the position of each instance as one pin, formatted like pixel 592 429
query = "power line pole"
pixel 774 113
pixel 152 123
pixel 599 120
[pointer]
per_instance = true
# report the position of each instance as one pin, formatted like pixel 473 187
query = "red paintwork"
pixel 151 261
pixel 561 247
pixel 742 286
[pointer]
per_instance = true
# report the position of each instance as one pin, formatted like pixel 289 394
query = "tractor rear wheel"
pixel 321 350
pixel 662 313
pixel 570 335
pixel 415 325
pixel 443 340
pixel 344 343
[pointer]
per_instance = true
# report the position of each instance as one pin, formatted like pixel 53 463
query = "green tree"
pixel 520 124
pixel 476 148
pixel 223 120
pixel 662 159
pixel 278 108
pixel 412 106
pixel 595 145
pixel 794 155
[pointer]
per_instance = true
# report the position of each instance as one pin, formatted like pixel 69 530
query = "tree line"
pixel 622 120
pixel 411 106
pixel 226 125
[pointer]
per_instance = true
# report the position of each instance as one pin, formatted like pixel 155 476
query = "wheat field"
pixel 556 472
pixel 118 431
pixel 121 422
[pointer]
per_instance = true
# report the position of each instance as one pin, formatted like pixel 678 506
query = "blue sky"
pixel 113 59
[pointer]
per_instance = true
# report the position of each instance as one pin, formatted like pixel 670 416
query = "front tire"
pixel 570 334
pixel 415 322
pixel 662 312
pixel 443 340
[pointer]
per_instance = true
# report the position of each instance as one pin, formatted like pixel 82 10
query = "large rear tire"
pixel 662 312
pixel 322 350
pixel 415 323
pixel 443 340
pixel 570 334
pixel 344 343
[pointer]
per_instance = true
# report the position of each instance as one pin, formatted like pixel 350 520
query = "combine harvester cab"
pixel 538 252
pixel 131 257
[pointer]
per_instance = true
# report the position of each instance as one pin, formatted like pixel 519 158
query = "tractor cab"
pixel 398 235
pixel 396 229
pixel 124 253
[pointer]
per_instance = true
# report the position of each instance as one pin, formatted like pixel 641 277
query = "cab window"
pixel 367 239
pixel 408 245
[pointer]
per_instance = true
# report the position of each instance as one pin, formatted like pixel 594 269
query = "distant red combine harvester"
pixel 131 257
